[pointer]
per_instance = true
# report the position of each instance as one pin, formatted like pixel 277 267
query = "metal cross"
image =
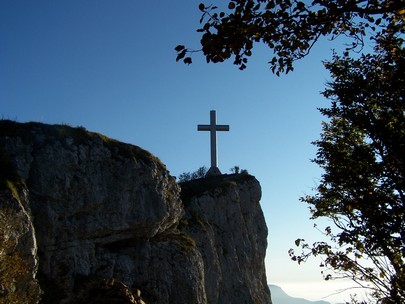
pixel 213 128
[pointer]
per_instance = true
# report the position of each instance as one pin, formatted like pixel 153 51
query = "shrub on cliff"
pixel 187 176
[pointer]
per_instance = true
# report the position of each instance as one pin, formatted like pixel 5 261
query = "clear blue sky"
pixel 110 66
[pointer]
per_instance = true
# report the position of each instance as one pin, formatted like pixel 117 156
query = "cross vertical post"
pixel 213 128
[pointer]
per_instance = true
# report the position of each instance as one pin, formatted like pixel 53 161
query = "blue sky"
pixel 110 66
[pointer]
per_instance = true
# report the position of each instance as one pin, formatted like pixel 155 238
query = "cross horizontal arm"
pixel 222 128
pixel 216 128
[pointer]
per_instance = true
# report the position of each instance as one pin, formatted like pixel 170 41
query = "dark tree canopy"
pixel 290 28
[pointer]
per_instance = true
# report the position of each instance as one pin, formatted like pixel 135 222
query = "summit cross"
pixel 213 128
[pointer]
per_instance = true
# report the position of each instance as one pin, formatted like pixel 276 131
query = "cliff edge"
pixel 77 208
pixel 223 215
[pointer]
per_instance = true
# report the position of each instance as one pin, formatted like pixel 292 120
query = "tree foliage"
pixel 362 145
pixel 362 150
pixel 289 28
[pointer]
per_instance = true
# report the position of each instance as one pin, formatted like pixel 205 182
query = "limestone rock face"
pixel 96 209
pixel 18 248
pixel 225 219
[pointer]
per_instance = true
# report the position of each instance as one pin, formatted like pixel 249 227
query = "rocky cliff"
pixel 223 216
pixel 77 208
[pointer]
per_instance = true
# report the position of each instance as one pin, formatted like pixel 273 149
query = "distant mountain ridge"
pixel 279 296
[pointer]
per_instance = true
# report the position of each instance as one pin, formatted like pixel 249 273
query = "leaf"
pixel 242 67
pixel 201 7
pixel 300 5
pixel 202 17
pixel 181 55
pixel 187 60
pixel 179 48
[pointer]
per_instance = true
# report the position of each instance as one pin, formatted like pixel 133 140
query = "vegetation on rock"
pixel 187 176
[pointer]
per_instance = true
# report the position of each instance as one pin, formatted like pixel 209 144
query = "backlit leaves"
pixel 291 28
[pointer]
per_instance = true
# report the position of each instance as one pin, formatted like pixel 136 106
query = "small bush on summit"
pixel 238 170
pixel 187 176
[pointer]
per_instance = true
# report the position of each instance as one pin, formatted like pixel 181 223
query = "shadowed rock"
pixel 98 209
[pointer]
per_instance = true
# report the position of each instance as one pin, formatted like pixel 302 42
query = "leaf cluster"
pixel 289 28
